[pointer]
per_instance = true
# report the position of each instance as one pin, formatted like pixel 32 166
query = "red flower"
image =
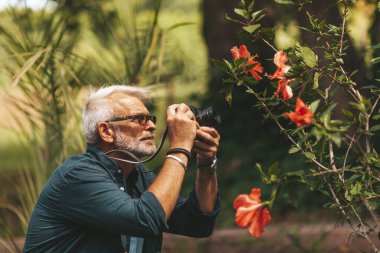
pixel 280 60
pixel 250 212
pixel 282 85
pixel 302 116
pixel 242 52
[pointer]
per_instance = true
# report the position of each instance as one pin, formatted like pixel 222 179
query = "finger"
pixel 172 109
pixel 182 108
pixel 208 138
pixel 190 114
pixel 201 145
pixel 210 130
pixel 206 153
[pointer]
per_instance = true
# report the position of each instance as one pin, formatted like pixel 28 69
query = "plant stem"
pixel 266 42
pixel 282 129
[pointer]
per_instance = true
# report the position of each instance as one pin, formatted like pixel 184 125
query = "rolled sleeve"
pixel 95 200
pixel 187 218
pixel 194 205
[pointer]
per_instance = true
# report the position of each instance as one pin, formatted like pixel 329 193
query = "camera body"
pixel 206 117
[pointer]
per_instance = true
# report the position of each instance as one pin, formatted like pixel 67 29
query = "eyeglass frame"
pixel 139 118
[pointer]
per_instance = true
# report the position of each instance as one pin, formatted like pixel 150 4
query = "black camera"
pixel 206 117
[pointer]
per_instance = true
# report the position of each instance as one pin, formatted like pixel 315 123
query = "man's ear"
pixel 106 133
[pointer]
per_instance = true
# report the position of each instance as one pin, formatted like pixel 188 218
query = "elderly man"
pixel 96 202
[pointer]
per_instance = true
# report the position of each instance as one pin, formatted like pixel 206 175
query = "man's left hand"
pixel 206 145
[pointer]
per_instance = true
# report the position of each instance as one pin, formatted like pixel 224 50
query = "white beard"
pixel 136 147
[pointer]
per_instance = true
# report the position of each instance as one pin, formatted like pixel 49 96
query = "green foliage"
pixel 341 159
pixel 53 55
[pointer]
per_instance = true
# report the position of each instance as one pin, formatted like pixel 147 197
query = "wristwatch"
pixel 210 168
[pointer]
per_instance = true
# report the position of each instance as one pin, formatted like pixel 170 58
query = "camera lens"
pixel 206 117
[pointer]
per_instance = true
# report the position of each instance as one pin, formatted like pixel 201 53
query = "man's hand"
pixel 206 145
pixel 181 125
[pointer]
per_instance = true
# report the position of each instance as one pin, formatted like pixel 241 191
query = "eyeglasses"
pixel 142 119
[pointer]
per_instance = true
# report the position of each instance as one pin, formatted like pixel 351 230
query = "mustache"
pixel 147 137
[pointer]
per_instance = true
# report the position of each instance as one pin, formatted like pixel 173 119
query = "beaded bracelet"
pixel 180 150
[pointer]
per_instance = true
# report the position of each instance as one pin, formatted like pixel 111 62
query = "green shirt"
pixel 87 206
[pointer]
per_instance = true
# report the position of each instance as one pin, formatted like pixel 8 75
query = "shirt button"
pixel 122 189
pixel 119 171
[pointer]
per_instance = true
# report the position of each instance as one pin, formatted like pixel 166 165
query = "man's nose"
pixel 150 125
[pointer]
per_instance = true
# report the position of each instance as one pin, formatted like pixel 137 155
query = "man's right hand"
pixel 182 126
pixel 181 132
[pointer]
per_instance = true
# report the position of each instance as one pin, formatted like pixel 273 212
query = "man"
pixel 95 202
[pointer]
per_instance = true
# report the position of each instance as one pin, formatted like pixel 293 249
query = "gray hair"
pixel 98 107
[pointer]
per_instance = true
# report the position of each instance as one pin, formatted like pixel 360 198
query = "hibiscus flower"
pixel 280 60
pixel 242 52
pixel 302 115
pixel 250 212
pixel 284 89
pixel 282 84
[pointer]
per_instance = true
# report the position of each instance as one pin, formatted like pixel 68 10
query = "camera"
pixel 206 117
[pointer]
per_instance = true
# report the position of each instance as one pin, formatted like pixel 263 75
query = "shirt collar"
pixel 103 158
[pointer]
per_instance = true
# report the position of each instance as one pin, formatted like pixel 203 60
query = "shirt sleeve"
pixel 187 218
pixel 92 198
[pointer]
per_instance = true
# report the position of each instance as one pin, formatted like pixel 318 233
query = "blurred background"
pixel 53 51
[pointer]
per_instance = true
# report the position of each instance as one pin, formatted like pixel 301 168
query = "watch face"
pixel 211 167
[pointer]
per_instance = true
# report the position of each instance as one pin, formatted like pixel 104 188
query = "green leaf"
pixel 309 155
pixel 228 95
pixel 347 113
pixel 375 60
pixel 229 80
pixel 326 115
pixel 273 170
pixel 375 128
pixel 250 6
pixel 250 91
pixel 318 132
pixel 293 150
pixel 356 189
pixel 377 46
pixel 240 12
pixel 234 20
pixel 314 106
pixel 308 56
pixel 316 80
pixel 222 65
pixel 258 15
pixel 260 169
pixel 336 138
pixel 229 65
pixel 251 28
pixel 347 195
pixel 284 1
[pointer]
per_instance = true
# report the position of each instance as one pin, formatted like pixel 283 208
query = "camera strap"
pixel 136 159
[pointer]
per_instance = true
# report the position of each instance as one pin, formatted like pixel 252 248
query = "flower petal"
pixel 280 59
pixel 302 115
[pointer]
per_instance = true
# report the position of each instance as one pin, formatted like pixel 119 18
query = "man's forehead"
pixel 128 103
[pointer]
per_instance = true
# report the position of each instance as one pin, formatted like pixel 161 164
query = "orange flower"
pixel 302 116
pixel 280 60
pixel 250 212
pixel 282 85
pixel 242 52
